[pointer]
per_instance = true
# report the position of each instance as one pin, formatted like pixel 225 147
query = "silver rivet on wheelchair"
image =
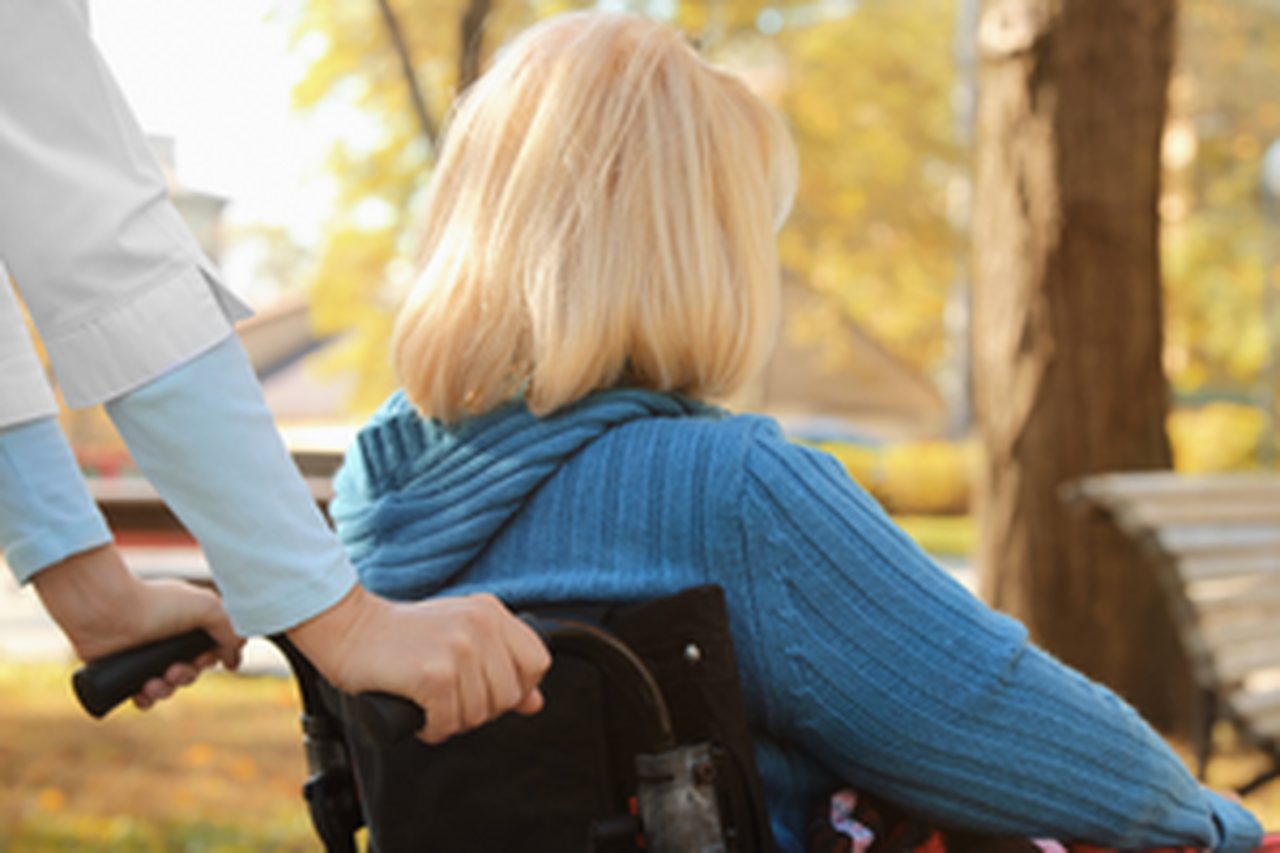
pixel 692 653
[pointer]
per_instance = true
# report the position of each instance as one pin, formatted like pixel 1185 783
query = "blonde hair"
pixel 603 212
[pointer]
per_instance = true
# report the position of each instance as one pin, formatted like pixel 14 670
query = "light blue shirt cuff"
pixel 46 513
pixel 203 436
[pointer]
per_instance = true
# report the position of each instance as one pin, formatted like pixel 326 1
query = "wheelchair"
pixel 642 744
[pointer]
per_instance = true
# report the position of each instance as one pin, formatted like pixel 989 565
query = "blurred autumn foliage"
pixel 1224 113
pixel 869 88
pixel 217 769
pixel 936 478
pixel 865 86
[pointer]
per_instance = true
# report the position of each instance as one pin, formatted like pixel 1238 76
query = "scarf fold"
pixel 416 500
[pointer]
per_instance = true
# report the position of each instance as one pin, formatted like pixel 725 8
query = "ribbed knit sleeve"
pixel 899 681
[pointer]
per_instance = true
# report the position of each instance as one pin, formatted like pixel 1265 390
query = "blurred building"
pixel 202 211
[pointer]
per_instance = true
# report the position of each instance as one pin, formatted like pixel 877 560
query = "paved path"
pixel 28 634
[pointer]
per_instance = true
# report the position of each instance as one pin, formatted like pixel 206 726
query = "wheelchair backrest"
pixel 566 779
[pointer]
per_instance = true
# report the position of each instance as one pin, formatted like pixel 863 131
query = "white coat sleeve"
pixel 114 281
pixel 25 394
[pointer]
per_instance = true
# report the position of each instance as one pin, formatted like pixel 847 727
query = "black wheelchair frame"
pixel 680 776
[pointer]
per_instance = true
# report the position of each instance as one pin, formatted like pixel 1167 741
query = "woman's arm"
pixel 898 680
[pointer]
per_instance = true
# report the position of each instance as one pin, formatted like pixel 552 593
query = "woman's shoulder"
pixel 702 427
pixel 765 448
pixel 743 452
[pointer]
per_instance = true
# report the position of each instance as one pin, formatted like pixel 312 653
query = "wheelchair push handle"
pixel 388 719
pixel 102 684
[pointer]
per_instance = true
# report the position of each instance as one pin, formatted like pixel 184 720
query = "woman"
pixel 599 261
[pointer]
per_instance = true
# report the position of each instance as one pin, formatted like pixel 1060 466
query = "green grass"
pixel 943 535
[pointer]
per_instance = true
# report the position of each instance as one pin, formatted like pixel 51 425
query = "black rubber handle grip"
pixel 386 718
pixel 104 683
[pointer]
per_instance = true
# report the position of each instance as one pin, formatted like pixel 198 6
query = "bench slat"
pixel 1256 704
pixel 1237 665
pixel 1156 486
pixel 1268 727
pixel 1207 511
pixel 1218 538
pixel 1246 596
pixel 1201 540
pixel 1242 631
pixel 1259 710
pixel 1195 568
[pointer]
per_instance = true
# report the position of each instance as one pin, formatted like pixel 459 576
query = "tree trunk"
pixel 471 42
pixel 416 99
pixel 1067 328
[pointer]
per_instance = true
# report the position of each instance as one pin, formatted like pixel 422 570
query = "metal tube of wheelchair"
pixel 676 798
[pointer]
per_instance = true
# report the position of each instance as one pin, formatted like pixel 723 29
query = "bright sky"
pixel 216 76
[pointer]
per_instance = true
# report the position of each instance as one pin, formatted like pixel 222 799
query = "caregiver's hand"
pixel 102 608
pixel 464 660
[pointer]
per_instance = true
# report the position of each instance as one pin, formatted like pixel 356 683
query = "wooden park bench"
pixel 1215 541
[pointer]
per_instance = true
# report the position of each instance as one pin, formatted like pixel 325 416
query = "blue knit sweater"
pixel 861 661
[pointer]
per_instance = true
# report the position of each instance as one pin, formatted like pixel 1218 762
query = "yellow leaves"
pixel 941 535
pixel 350 277
pixel 197 755
pixel 869 102
pixel 1246 146
pixel 342 37
pixel 365 350
pixel 218 768
pixel 243 769
pixel 51 800
pixel 1217 437
pixel 928 477
pixel 869 97
pixel 1215 256
pixel 867 93
pixel 1268 114
pixel 547 8
pixel 861 462
pixel 936 478
pixel 1215 334
pixel 183 797
pixel 918 477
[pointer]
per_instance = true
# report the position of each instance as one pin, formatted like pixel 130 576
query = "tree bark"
pixel 1067 328
pixel 471 42
pixel 416 99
